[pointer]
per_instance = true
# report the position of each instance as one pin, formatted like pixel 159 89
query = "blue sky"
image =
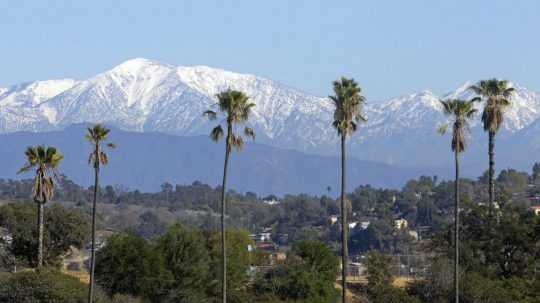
pixel 390 47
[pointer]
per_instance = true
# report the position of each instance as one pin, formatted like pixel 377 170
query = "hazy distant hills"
pixel 146 160
pixel 146 96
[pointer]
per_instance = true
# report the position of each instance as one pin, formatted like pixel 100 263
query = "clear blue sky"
pixel 390 47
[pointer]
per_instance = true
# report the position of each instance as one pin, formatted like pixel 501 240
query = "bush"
pixel 129 265
pixel 45 285
pixel 186 260
pixel 308 276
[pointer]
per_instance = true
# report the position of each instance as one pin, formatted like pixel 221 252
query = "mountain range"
pixel 147 96
pixel 145 160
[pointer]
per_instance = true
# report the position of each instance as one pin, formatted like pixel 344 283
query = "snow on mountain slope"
pixel 33 93
pixel 281 113
pixel 125 96
pixel 401 114
pixel 19 104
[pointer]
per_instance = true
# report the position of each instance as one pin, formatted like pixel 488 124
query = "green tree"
pixel 512 180
pixel 308 275
pixel 238 263
pixel 237 108
pixel 66 227
pixel 379 275
pixel 128 264
pixel 46 161
pixel 536 173
pixel 348 103
pixel 97 136
pixel 495 94
pixel 460 111
pixel 186 258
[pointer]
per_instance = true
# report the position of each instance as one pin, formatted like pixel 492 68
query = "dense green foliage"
pixel 179 266
pixel 43 286
pixel 186 260
pixel 500 264
pixel 65 227
pixel 308 276
pixel 128 264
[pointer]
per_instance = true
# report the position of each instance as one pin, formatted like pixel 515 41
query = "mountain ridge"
pixel 144 161
pixel 149 96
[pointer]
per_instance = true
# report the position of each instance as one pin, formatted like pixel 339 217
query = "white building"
pixel 400 224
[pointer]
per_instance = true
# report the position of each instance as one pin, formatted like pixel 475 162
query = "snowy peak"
pixel 34 93
pixel 211 81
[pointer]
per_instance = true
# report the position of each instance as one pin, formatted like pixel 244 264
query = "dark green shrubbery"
pixel 179 266
pixel 47 285
pixel 64 227
pixel 308 276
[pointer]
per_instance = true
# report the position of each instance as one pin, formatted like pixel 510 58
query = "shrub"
pixel 47 285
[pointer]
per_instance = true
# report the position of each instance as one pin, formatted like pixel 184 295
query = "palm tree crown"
pixel 96 135
pixel 237 108
pixel 461 111
pixel 349 105
pixel 496 94
pixel 46 161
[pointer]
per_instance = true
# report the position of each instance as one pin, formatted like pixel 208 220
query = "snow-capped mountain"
pixel 148 96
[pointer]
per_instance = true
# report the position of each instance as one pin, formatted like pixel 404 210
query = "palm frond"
pixel 103 158
pixel 249 132
pixel 237 142
pixel 442 129
pixel 216 133
pixel 212 115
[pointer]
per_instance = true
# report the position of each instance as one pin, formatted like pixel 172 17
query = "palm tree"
pixel 46 161
pixel 460 111
pixel 348 113
pixel 237 109
pixel 496 94
pixel 96 135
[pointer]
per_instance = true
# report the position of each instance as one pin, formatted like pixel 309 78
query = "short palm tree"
pixel 97 136
pixel 460 111
pixel 237 108
pixel 348 103
pixel 495 94
pixel 46 161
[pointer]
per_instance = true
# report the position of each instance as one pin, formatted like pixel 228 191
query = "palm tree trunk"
pixel 93 249
pixel 491 171
pixel 223 212
pixel 40 233
pixel 456 229
pixel 344 226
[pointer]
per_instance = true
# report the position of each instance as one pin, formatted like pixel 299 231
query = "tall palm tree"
pixel 97 136
pixel 46 161
pixel 460 111
pixel 348 113
pixel 495 94
pixel 237 108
